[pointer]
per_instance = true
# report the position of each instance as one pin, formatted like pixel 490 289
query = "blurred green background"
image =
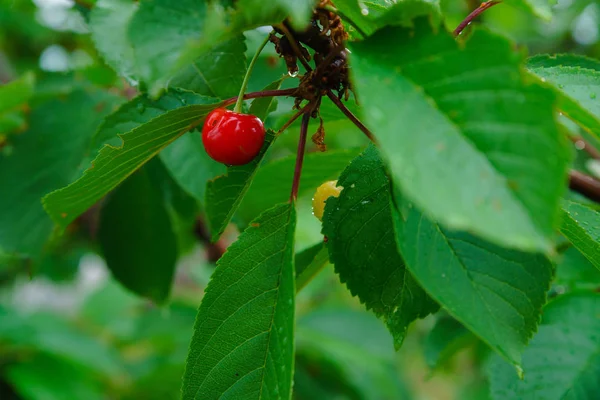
pixel 69 331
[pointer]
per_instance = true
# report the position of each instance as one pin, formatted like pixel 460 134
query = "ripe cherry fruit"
pixel 232 138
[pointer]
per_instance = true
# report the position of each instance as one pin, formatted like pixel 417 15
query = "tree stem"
pixel 240 99
pixel 351 116
pixel 300 155
pixel 262 93
pixel 585 185
pixel 484 6
pixel 303 110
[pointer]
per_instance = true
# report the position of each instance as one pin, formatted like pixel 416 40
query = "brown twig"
pixel 582 144
pixel 300 155
pixel 585 185
pixel 351 116
pixel 484 6
pixel 262 93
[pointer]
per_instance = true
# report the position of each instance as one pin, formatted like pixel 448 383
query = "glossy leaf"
pixel 309 263
pixel 189 164
pixel 44 158
pixel 446 338
pixel 225 193
pixel 562 361
pixel 581 225
pixel 243 339
pixel 362 246
pixel 273 181
pixel 495 292
pixel 114 164
pixel 576 80
pixel 109 20
pixel 475 153
pixel 137 238
pixel 219 72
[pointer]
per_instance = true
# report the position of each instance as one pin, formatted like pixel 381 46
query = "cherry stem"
pixel 295 46
pixel 343 17
pixel 303 110
pixel 300 155
pixel 582 144
pixel 262 93
pixel 351 116
pixel 484 6
pixel 585 185
pixel 240 99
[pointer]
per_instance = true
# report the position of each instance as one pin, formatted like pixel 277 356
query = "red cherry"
pixel 232 138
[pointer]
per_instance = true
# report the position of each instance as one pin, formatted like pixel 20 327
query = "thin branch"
pixel 295 46
pixel 303 110
pixel 262 93
pixel 585 185
pixel 582 144
pixel 300 155
pixel 351 116
pixel 484 6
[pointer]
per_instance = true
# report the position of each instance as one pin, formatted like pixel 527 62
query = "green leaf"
pixel 187 162
pixel 541 8
pixel 218 72
pixel 273 181
pixel 575 271
pixel 495 292
pixel 13 95
pixel 48 378
pixel 263 106
pixel 140 111
pixel 222 24
pixel 447 337
pixel 362 246
pixel 225 193
pixel 159 31
pixel 109 20
pixel 137 238
pixel 465 137
pixel 243 340
pixel 357 346
pixel 17 92
pixel 563 359
pixel 44 158
pixel 581 225
pixel 114 164
pixel 576 80
pixel 309 263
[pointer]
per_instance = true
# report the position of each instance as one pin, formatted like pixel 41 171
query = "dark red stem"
pixel 351 116
pixel 473 15
pixel 585 185
pixel 300 155
pixel 303 110
pixel 582 144
pixel 262 93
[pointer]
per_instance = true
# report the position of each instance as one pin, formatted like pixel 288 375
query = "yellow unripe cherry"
pixel 324 192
